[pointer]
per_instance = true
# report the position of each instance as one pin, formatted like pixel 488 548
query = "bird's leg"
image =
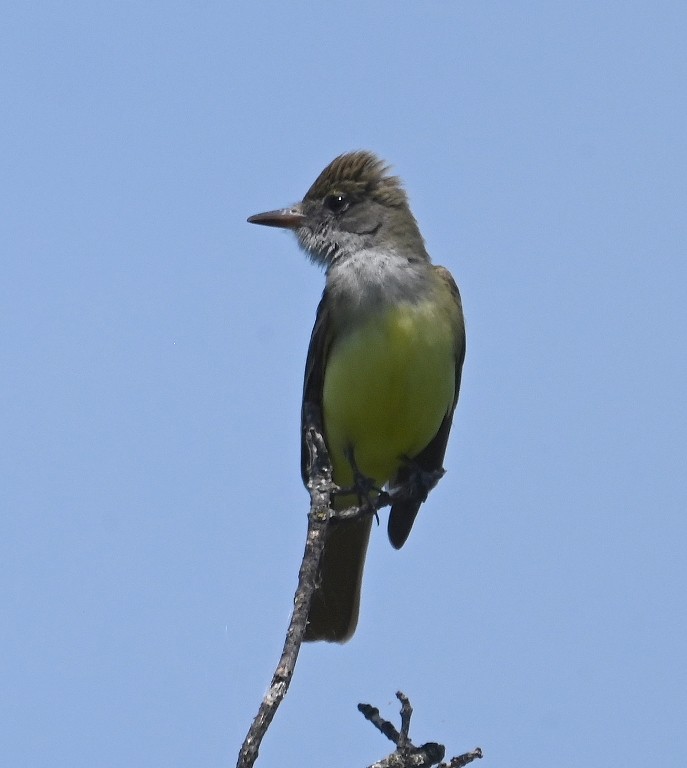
pixel 363 486
pixel 418 482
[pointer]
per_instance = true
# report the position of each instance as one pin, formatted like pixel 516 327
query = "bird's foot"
pixel 364 488
pixel 417 485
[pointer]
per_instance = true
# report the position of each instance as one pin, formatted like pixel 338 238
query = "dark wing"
pixel 431 458
pixel 318 351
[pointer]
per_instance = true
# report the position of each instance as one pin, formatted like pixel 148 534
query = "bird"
pixel 383 368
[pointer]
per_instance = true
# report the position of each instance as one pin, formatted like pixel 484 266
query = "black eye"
pixel 336 203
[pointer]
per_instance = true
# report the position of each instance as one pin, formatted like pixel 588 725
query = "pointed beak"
pixel 285 218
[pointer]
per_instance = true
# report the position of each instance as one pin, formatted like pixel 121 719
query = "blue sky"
pixel 152 346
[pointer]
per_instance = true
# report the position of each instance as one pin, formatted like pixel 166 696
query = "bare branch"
pixel 406 755
pixel 321 488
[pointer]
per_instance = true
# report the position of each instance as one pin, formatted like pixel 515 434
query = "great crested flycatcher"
pixel 383 367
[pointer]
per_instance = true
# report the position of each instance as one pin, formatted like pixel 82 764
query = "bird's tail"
pixel 401 519
pixel 334 608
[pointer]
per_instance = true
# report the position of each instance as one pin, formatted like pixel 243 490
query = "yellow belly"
pixel 388 384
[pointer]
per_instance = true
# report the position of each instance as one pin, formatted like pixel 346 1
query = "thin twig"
pixel 406 714
pixel 320 487
pixel 463 760
pixel 383 726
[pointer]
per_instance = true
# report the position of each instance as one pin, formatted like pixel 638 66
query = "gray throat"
pixel 374 278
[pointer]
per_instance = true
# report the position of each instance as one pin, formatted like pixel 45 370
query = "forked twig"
pixel 406 754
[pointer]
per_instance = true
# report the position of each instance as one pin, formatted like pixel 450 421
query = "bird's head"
pixel 354 205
